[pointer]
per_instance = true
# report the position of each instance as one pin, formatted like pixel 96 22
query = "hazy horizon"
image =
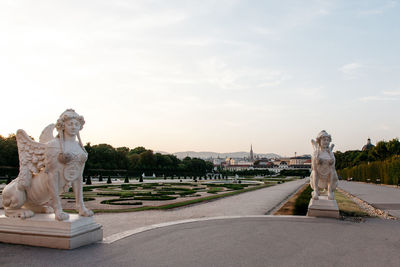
pixel 204 76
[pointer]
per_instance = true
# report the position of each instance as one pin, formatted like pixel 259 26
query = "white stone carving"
pixel 47 168
pixel 323 173
pixel 44 231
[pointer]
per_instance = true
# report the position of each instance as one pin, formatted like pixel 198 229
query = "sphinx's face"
pixel 72 127
pixel 325 141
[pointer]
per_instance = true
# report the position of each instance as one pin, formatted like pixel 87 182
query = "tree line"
pixel 382 151
pixel 378 164
pixel 104 159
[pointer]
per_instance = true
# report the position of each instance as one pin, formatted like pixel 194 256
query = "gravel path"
pixel 258 202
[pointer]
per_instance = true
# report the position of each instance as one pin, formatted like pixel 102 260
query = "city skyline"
pixel 212 76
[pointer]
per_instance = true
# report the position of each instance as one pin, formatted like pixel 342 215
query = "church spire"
pixel 251 153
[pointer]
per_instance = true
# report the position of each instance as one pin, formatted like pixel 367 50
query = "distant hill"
pixel 206 155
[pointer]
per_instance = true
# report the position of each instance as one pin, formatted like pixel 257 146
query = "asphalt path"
pixel 246 241
pixel 383 197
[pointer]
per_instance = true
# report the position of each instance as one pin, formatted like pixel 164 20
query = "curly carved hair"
pixel 322 134
pixel 67 115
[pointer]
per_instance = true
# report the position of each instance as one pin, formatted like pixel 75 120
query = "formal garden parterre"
pixel 136 196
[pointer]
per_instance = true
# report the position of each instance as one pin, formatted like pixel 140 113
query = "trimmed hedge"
pixel 119 201
pixel 154 198
pixel 387 171
pixel 302 201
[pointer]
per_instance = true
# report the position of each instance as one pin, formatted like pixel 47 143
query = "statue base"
pixel 323 207
pixel 44 231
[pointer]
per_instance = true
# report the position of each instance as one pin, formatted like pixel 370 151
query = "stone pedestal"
pixel 323 207
pixel 44 231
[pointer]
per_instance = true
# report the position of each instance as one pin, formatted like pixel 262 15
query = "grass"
pixel 347 207
pixel 214 190
pixel 299 206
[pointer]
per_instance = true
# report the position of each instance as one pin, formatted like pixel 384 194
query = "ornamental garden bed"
pixel 144 196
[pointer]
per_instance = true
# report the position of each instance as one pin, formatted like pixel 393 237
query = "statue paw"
pixel 62 216
pixel 315 196
pixel 331 196
pixel 19 213
pixel 85 212
pixel 47 209
pixel 26 214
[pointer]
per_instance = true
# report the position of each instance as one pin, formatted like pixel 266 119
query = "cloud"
pixel 351 70
pixel 392 93
pixel 385 96
pixel 376 98
pixel 235 78
pixel 380 9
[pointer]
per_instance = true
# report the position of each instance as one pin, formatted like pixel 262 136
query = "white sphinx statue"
pixel 323 173
pixel 48 168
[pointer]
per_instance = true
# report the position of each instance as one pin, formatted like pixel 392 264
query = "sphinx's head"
pixel 324 139
pixel 70 122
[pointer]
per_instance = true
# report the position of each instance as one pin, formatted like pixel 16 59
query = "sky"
pixel 204 75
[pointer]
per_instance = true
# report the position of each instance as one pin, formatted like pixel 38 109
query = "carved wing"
pixel 31 158
pixel 332 146
pixel 47 134
pixel 314 144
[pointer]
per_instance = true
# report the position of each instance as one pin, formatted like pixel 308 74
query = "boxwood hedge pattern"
pixel 131 194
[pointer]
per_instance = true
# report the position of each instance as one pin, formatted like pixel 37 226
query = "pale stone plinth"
pixel 323 207
pixel 44 231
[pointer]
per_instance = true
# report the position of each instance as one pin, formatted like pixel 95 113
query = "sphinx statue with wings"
pixel 323 172
pixel 47 169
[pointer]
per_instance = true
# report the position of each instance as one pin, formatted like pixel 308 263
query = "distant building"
pixel 240 167
pixel 251 153
pixel 368 146
pixel 300 160
pixel 283 161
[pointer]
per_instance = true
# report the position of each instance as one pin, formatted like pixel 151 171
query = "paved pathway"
pixel 381 197
pixel 258 202
pixel 254 241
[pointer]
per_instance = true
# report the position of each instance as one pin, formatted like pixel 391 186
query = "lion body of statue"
pixel 47 169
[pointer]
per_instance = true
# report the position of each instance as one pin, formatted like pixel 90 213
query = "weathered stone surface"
pixel 44 231
pixel 323 176
pixel 323 207
pixel 47 168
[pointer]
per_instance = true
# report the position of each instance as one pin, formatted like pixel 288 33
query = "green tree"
pixel 9 151
pixel 147 160
pixel 381 150
pixel 137 150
